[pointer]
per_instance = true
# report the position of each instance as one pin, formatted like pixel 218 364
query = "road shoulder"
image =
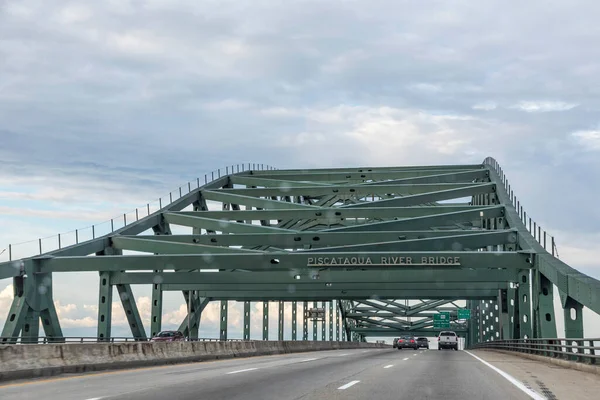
pixel 552 381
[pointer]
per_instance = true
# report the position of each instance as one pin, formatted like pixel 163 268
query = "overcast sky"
pixel 108 105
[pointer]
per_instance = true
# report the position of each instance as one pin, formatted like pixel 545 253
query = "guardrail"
pixel 32 248
pixel 92 339
pixel 566 349
pixel 536 230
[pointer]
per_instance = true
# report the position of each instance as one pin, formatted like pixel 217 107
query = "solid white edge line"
pixel 389 366
pixel 404 359
pixel 342 355
pixel 532 393
pixel 309 359
pixel 347 385
pixel 241 370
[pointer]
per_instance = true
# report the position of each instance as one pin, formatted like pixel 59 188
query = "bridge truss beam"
pixel 387 248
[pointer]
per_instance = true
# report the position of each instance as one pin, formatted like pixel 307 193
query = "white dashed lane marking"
pixel 242 370
pixel 389 366
pixel 347 385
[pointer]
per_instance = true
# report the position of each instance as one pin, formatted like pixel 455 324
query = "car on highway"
pixel 447 340
pixel 423 342
pixel 168 336
pixel 407 342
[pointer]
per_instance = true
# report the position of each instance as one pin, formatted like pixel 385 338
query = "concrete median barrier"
pixel 33 361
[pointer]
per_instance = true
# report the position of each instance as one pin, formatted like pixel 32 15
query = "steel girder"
pixel 365 237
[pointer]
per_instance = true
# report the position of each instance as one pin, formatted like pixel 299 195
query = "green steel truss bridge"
pixel 389 249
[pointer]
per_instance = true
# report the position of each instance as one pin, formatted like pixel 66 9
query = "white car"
pixel 447 340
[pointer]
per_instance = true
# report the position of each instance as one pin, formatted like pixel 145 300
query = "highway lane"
pixel 340 374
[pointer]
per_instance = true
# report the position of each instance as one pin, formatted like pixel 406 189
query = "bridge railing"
pixel 17 251
pixel 540 235
pixel 580 350
pixel 94 340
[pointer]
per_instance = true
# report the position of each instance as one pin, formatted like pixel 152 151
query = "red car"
pixel 168 336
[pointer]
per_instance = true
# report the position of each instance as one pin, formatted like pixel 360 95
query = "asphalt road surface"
pixel 340 374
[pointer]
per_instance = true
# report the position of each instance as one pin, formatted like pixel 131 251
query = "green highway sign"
pixel 464 313
pixel 441 320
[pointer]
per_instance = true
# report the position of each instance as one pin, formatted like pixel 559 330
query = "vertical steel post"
pixel 280 322
pixel 524 311
pixel 190 300
pixel 330 320
pixel 104 307
pixel 323 329
pixel 573 314
pixel 246 320
pixel 544 304
pixel 315 332
pixel 223 320
pixel 156 310
pixel 337 322
pixel 265 320
pixel 305 320
pixel 294 320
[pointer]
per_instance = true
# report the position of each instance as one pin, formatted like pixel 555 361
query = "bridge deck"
pixel 348 374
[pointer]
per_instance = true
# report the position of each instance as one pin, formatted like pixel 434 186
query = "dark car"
pixel 423 342
pixel 395 342
pixel 407 342
pixel 168 336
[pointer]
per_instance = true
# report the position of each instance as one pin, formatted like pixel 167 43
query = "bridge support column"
pixel 524 310
pixel 49 316
pixel 472 336
pixel 324 322
pixel 280 321
pixel 157 293
pixel 156 309
pixel 131 312
pixel 104 307
pixel 265 320
pixel 294 320
pixel 337 322
pixel 305 320
pixel 573 312
pixel 247 320
pixel 494 333
pixel 31 327
pixel 543 307
pixel 32 301
pixel 502 312
pixel 223 320
pixel 16 313
pixel 330 320
pixel 507 313
pixel 314 324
